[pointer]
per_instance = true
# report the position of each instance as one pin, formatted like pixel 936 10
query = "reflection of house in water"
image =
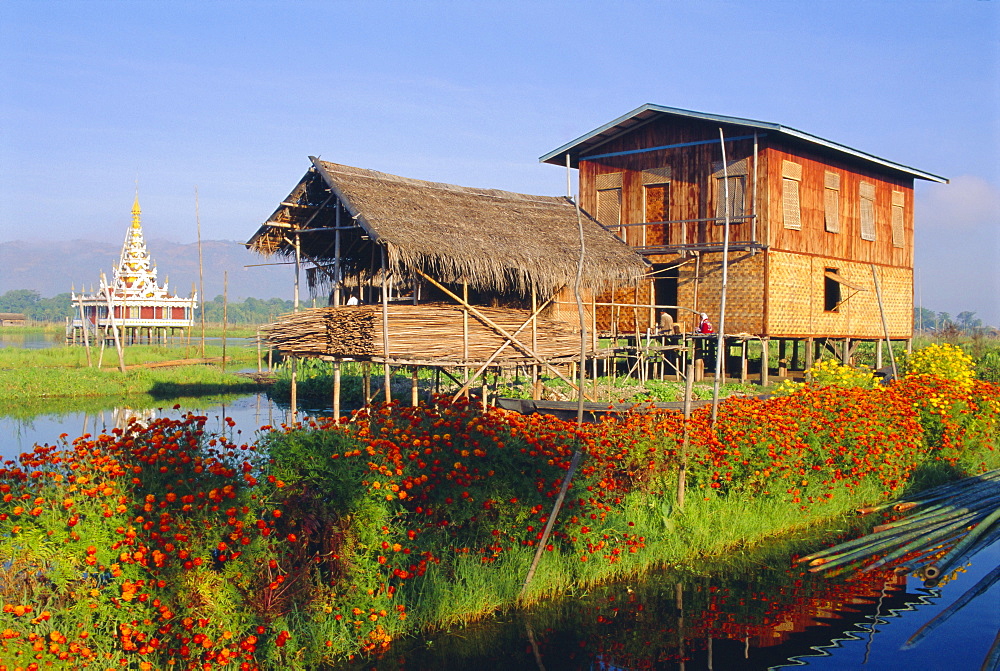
pixel 133 303
pixel 122 417
pixel 730 634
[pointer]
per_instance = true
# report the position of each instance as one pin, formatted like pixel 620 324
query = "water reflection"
pixel 766 619
pixel 44 423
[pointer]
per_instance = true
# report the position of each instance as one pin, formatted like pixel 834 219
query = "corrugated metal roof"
pixel 588 143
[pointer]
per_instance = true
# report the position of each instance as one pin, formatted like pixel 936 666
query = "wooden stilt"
pixel 414 387
pixel 810 351
pixel 336 390
pixel 366 381
pixel 744 370
pixel 765 361
pixel 878 354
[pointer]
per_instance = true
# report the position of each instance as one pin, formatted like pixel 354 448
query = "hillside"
pixel 53 267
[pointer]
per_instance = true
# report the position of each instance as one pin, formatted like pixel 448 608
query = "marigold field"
pixel 162 546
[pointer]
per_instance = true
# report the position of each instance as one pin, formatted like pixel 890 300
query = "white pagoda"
pixel 132 302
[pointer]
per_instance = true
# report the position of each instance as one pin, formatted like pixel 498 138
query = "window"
pixel 831 202
pixel 737 198
pixel 656 205
pixel 791 208
pixel 609 200
pixel 735 178
pixel 831 290
pixel 898 235
pixel 867 192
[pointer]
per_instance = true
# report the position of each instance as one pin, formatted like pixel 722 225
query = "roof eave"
pixel 557 156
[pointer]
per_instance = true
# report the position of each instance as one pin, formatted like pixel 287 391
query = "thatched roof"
pixel 495 240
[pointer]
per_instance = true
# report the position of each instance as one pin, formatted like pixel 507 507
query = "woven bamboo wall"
pixel 744 293
pixel 628 317
pixel 796 299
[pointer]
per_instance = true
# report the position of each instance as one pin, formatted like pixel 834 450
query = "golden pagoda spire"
pixel 136 210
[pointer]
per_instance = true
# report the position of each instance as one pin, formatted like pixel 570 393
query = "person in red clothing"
pixel 705 326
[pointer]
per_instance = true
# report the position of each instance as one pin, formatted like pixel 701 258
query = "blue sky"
pixel 232 97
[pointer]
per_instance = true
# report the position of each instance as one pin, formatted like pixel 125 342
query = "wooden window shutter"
pixel 609 207
pixel 791 170
pixel 737 199
pixel 612 180
pixel 656 176
pixel 898 235
pixel 867 192
pixel 831 202
pixel 791 210
pixel 609 200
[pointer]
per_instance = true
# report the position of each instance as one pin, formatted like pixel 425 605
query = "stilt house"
pixel 817 230
pixel 424 273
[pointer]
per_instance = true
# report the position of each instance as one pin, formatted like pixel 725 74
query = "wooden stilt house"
pixel 818 232
pixel 423 273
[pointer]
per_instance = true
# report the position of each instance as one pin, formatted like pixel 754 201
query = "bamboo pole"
pixel 499 329
pixel 114 327
pixel 721 341
pixel 534 338
pixel 686 439
pixel 86 337
pixel 386 370
pixel 336 390
pixel 225 314
pixel 201 271
pixel 470 380
pixel 578 453
pixel 414 388
pixel 465 330
pixel 885 324
pixel 338 280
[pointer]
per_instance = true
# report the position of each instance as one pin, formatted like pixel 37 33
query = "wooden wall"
pixel 692 188
pixel 847 244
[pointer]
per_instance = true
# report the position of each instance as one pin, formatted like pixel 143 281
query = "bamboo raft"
pixel 427 333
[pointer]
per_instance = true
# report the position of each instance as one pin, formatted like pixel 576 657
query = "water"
pixel 250 412
pixel 773 618
pixel 30 340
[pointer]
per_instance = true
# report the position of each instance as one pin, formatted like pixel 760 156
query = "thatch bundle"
pixel 420 333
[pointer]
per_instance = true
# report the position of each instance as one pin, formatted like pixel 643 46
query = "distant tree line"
pixel 56 309
pixel 964 322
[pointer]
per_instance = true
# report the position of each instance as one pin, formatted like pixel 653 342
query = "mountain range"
pixel 54 267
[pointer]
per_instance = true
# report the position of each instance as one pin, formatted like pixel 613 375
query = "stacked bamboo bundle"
pixel 424 333
pixel 954 522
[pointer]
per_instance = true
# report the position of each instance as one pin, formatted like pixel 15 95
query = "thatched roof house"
pixel 495 241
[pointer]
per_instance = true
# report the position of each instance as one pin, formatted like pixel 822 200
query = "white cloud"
pixel 966 203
